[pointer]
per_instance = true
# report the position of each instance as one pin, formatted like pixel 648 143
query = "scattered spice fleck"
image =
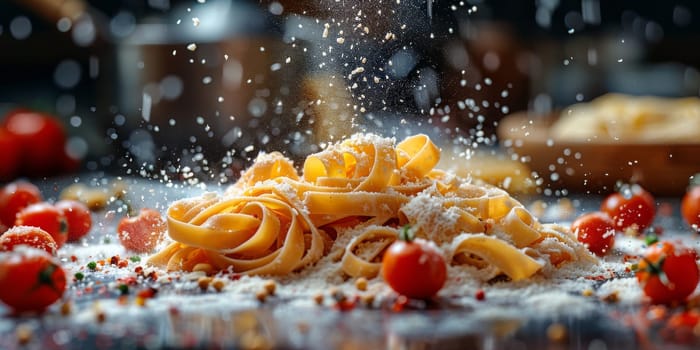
pixel 24 334
pixel 100 316
pixel 613 297
pixel 261 295
pixel 557 333
pixel 361 284
pixel 368 299
pixel 218 284
pixel 66 308
pixel 204 282
pixel 123 289
pixel 270 286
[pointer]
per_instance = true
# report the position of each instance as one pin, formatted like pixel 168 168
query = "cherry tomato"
pixel 668 272
pixel 414 268
pixel 690 208
pixel 30 236
pixel 30 280
pixel 143 232
pixel 595 230
pixel 10 155
pixel 632 206
pixel 78 217
pixel 48 218
pixel 42 139
pixel 14 197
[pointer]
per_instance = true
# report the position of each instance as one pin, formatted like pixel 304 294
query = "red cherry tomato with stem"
pixel 46 217
pixel 78 216
pixel 14 197
pixel 414 268
pixel 30 280
pixel 595 230
pixel 630 207
pixel 668 272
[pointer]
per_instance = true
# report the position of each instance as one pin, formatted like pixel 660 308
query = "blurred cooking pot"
pixel 211 79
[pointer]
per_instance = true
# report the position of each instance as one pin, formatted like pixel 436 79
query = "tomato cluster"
pixel 33 144
pixel 629 208
pixel 22 205
pixel 668 272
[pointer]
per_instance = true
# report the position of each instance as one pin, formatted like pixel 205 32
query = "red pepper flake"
pixel 628 258
pixel 102 262
pixel 153 275
pixel 400 303
pixel 596 278
pixel 100 316
pixel 147 293
pixel 122 264
pixel 234 276
pixel 114 260
pixel 480 294
pixel 138 270
pixel 346 304
pixel 174 311
pixel 73 258
pixel 129 280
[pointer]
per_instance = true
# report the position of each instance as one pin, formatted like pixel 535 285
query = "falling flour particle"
pixel 192 47
pixel 340 40
pixel 195 21
pixel 146 107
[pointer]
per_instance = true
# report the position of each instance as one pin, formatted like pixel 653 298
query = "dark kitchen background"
pixel 200 87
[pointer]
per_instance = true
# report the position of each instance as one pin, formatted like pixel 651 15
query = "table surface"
pixel 193 319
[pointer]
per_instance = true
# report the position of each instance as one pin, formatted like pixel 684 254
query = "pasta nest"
pixel 350 201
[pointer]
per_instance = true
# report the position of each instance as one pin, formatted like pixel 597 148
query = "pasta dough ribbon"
pixel 513 262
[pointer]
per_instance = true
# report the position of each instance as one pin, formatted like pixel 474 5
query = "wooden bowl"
pixel 593 166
